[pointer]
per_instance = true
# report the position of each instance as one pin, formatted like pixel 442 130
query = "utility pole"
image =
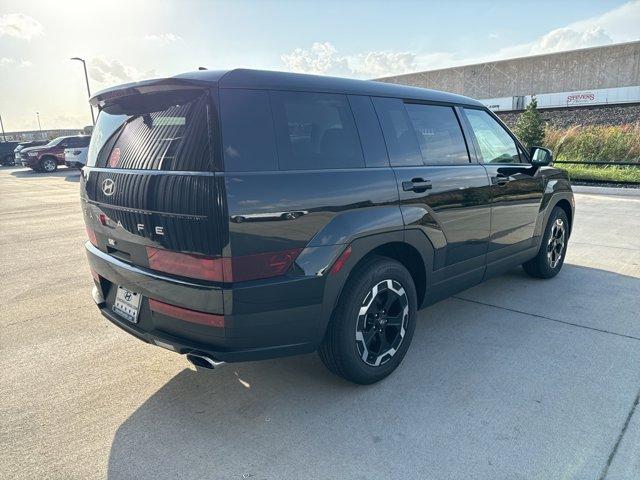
pixel 4 137
pixel 39 126
pixel 86 79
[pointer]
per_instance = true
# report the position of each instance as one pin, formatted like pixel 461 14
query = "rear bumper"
pixel 182 346
pixel 262 319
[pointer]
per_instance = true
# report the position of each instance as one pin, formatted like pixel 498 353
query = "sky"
pixel 131 40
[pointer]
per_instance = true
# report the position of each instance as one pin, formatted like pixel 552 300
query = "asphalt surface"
pixel 514 379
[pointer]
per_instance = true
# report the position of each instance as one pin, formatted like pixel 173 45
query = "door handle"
pixel 416 185
pixel 501 179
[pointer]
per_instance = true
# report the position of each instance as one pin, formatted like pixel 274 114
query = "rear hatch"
pixel 149 191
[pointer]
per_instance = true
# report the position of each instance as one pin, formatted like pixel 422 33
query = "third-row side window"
pixel 264 130
pixel 315 130
pixel 248 139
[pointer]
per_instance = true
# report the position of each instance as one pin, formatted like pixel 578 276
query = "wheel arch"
pixel 564 204
pixel 411 248
pixel 557 193
pixel 407 255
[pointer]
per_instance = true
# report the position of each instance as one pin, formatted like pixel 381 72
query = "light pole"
pixel 39 126
pixel 86 78
pixel 4 137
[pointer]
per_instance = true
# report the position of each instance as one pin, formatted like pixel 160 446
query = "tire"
pixel 550 258
pixel 48 165
pixel 352 348
pixel 8 160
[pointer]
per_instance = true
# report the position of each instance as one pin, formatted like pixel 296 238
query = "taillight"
pixel 193 316
pixel 185 264
pixel 261 265
pixel 92 237
pixel 222 269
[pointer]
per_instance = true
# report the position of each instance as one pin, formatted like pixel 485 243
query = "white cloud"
pixel 323 58
pixel 110 71
pixel 377 64
pixel 567 38
pixel 164 38
pixel 19 25
pixel 617 25
pixel 7 61
pixel 621 23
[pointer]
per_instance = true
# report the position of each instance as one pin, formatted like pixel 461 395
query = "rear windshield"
pixel 166 131
pixel 55 141
pixel 82 142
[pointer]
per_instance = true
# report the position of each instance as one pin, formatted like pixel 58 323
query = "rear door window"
pixel 161 131
pixel 399 134
pixel 248 140
pixel 439 134
pixel 315 131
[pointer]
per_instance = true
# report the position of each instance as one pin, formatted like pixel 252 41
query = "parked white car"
pixel 76 157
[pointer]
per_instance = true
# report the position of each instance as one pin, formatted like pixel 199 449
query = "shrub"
pixel 618 143
pixel 530 127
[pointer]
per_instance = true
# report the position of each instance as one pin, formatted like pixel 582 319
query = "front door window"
pixel 496 145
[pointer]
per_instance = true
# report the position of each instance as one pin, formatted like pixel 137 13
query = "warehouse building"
pixel 590 86
pixel 30 135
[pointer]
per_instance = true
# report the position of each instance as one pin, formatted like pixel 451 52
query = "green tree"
pixel 530 126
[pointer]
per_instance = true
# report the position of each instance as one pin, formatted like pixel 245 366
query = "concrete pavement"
pixel 515 378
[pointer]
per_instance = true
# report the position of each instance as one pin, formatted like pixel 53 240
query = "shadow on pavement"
pixel 70 174
pixel 482 389
pixel 74 175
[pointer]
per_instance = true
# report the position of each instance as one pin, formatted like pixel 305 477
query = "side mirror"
pixel 541 156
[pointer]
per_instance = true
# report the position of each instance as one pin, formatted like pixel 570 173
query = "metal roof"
pixel 261 79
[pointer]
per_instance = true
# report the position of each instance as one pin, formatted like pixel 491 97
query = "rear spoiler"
pixel 189 81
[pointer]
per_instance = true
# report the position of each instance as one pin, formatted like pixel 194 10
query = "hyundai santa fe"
pixel 244 215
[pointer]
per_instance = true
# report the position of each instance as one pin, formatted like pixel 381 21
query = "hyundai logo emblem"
pixel 108 187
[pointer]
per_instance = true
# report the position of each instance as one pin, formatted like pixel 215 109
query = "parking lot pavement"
pixel 515 378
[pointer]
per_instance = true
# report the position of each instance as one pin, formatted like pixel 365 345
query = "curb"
pixel 623 192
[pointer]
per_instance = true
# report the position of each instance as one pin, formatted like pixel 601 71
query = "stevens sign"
pixel 578 98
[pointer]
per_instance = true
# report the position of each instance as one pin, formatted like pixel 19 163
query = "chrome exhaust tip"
pixel 204 360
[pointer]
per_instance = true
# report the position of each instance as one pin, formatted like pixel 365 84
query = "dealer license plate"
pixel 127 304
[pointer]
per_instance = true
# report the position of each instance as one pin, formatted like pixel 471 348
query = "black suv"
pixel 245 215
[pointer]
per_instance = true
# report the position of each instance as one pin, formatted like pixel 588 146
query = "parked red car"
pixel 46 158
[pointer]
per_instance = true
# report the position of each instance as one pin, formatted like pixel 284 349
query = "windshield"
pixel 55 141
pixel 168 131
